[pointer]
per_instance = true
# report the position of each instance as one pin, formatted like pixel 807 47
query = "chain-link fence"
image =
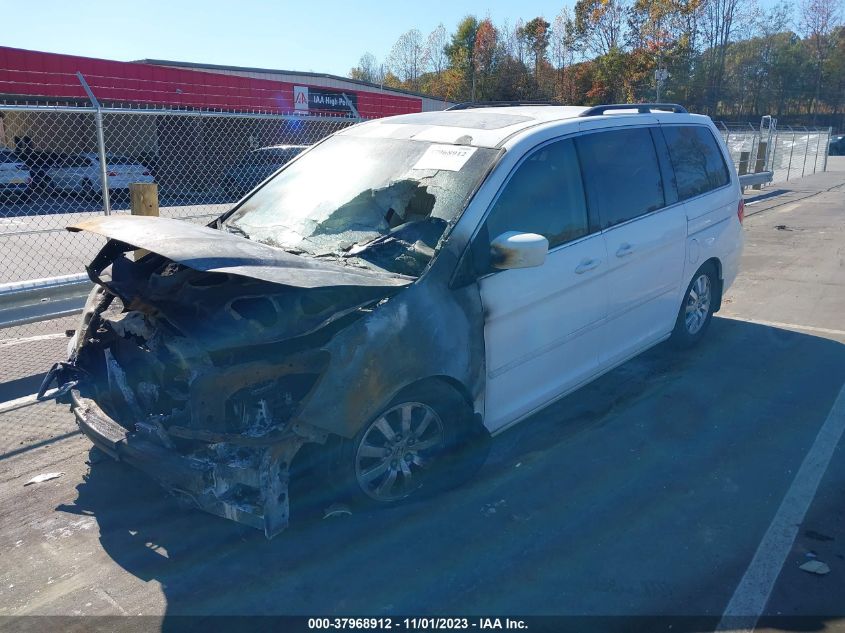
pixel 51 176
pixel 202 163
pixel 787 152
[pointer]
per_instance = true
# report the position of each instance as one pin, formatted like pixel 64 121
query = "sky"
pixel 306 35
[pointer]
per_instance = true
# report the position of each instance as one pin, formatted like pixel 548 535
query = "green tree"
pixel 461 52
pixel 536 35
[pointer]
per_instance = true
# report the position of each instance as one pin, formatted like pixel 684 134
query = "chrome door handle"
pixel 587 264
pixel 625 250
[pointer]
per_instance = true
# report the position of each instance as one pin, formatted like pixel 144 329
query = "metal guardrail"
pixel 23 302
pixel 760 178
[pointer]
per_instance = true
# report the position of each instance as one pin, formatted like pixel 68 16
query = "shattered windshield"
pixel 372 202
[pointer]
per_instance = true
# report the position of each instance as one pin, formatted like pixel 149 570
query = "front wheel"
pixel 697 308
pixel 425 441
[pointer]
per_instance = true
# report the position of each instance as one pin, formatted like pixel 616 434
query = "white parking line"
pixel 31 339
pixel 18 403
pixel 785 326
pixel 751 595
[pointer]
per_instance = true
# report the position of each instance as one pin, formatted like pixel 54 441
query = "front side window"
pixel 622 173
pixel 698 163
pixel 545 196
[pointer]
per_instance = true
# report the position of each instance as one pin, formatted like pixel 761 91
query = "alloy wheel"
pixel 396 449
pixel 698 304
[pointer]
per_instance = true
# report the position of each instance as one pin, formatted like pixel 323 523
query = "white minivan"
pixel 398 293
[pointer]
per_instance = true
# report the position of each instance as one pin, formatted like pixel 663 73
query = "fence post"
pixel 827 147
pixel 744 160
pixel 816 157
pixel 101 144
pixel 791 151
pixel 775 145
pixel 760 163
pixel 143 200
pixel 806 151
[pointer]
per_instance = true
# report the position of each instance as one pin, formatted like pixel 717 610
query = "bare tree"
pixel 436 60
pixel 721 19
pixel 367 69
pixel 600 24
pixel 562 49
pixel 561 44
pixel 817 21
pixel 407 58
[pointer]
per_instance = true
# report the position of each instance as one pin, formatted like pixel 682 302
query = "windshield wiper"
pixel 235 230
pixel 360 247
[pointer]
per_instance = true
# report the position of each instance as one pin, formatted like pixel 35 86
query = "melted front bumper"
pixel 245 484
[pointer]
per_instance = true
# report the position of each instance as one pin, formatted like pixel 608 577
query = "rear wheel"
pixel 697 307
pixel 423 442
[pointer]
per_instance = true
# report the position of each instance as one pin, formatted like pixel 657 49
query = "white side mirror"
pixel 518 250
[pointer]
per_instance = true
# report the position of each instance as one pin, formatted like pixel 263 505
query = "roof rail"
pixel 641 108
pixel 468 105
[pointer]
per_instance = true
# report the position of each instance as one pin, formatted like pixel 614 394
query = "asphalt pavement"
pixel 665 488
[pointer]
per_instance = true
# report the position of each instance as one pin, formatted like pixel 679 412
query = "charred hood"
pixel 224 291
pixel 209 250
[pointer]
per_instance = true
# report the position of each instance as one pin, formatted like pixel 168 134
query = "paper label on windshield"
pixel 448 157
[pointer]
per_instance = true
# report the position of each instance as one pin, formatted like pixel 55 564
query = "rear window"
pixel 698 162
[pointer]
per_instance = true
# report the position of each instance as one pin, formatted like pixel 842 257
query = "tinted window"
pixel 622 173
pixel 8 157
pixel 698 162
pixel 544 196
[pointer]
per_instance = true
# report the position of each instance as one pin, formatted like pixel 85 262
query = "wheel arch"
pixel 716 263
pixel 474 419
pixel 449 381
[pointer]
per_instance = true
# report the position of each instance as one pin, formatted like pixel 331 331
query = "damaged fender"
pixel 211 361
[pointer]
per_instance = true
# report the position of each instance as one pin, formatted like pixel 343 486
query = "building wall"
pixel 51 76
pixel 428 103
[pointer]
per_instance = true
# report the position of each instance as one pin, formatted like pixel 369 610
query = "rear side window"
pixel 8 157
pixel 698 162
pixel 622 174
pixel 544 196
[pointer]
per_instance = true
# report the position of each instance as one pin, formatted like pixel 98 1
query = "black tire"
pixel 459 447
pixel 688 332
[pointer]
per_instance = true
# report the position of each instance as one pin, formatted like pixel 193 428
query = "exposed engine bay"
pixel 215 353
pixel 211 366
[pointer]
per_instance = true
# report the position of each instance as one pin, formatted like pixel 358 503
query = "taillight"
pixel 740 210
pixel 111 173
pixel 146 173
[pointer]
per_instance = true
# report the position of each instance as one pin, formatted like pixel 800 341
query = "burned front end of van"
pixel 196 374
pixel 209 355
